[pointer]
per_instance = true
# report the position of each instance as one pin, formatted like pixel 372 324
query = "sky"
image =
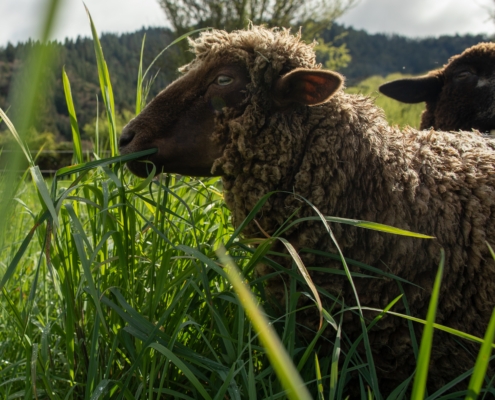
pixel 413 18
pixel 420 18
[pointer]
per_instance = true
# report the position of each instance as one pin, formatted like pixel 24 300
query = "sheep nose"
pixel 126 136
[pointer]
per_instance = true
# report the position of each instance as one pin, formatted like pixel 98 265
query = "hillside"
pixel 381 54
pixel 122 53
pixel 376 54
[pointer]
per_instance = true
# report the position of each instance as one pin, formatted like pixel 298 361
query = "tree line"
pixel 370 54
pixel 384 54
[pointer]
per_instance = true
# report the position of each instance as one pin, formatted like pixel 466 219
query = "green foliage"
pixel 332 57
pixel 49 153
pixel 76 135
pixel 106 89
pixel 397 113
pixel 313 16
pixel 33 139
pixel 329 52
pixel 282 364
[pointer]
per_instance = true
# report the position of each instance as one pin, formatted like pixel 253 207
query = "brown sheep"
pixel 459 96
pixel 254 108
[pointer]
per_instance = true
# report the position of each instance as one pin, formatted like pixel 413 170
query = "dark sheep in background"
pixel 254 108
pixel 459 96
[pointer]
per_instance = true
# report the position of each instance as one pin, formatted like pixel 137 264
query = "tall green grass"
pixel 111 288
pixel 111 292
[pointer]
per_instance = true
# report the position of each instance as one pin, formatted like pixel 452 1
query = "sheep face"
pixel 460 96
pixel 183 121
pixel 179 122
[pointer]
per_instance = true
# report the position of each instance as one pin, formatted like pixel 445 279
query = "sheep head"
pixel 179 121
pixel 184 120
pixel 459 96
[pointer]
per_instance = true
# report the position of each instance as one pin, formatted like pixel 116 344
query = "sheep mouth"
pixel 153 164
pixel 140 162
pixel 143 166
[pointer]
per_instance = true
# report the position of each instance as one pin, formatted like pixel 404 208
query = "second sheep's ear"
pixel 413 90
pixel 306 86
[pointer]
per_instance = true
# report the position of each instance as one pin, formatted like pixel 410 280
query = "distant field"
pixel 397 113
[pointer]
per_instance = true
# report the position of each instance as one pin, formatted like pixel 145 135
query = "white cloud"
pixel 20 19
pixel 420 18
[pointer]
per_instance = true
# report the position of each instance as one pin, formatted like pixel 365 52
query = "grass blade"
pixel 304 272
pixel 105 87
pixel 369 355
pixel 361 224
pixel 72 169
pixel 43 191
pixel 17 137
pixel 31 82
pixel 182 37
pixel 139 89
pixel 22 249
pixel 183 367
pixel 76 136
pixel 335 362
pixel 319 382
pixel 378 227
pixel 483 359
pixel 93 291
pixel 282 364
pixel 421 375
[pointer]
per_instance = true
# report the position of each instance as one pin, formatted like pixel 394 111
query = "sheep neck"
pixel 304 152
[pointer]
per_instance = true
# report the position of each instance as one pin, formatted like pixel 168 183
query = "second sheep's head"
pixel 188 121
pixel 458 96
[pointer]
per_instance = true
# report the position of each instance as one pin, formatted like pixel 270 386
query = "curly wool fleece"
pixel 344 158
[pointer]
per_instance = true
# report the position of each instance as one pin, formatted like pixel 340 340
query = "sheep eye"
pixel 464 75
pixel 224 80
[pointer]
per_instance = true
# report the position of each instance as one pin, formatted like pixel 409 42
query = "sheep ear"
pixel 306 86
pixel 413 90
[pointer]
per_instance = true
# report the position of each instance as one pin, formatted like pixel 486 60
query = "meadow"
pixel 115 287
pixel 397 113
